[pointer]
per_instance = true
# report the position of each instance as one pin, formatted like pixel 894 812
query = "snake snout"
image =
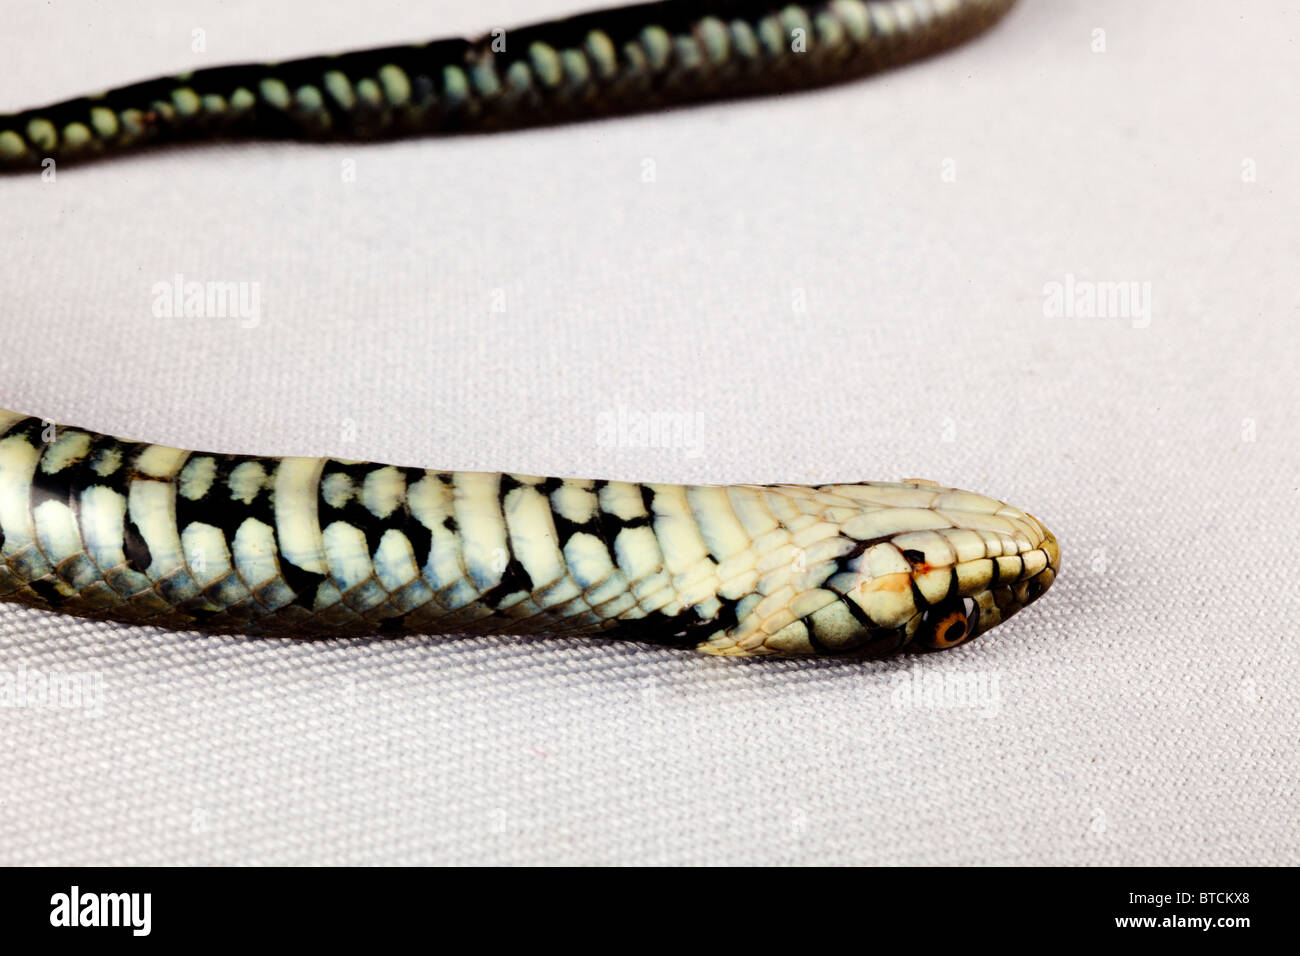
pixel 1004 559
pixel 1019 579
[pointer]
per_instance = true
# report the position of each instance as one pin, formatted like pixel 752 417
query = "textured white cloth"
pixel 847 284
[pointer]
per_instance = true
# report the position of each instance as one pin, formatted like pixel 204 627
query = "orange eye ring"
pixel 949 624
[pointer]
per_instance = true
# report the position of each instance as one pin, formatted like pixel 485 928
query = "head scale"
pixel 900 566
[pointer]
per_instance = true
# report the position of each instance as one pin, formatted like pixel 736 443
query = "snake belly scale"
pixel 123 530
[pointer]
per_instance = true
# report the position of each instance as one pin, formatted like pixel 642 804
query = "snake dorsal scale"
pixel 618 60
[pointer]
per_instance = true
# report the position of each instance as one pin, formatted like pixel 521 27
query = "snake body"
pixel 639 57
pixel 104 527
pixel 110 528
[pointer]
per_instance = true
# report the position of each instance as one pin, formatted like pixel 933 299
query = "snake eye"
pixel 949 623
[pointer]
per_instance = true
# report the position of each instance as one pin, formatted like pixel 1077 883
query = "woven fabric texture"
pixel 865 282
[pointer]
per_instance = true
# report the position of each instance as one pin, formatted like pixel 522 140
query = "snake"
pixel 128 531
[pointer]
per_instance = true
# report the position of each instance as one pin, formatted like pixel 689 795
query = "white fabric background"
pixel 1146 708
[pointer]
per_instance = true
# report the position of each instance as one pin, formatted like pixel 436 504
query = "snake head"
pixel 880 567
